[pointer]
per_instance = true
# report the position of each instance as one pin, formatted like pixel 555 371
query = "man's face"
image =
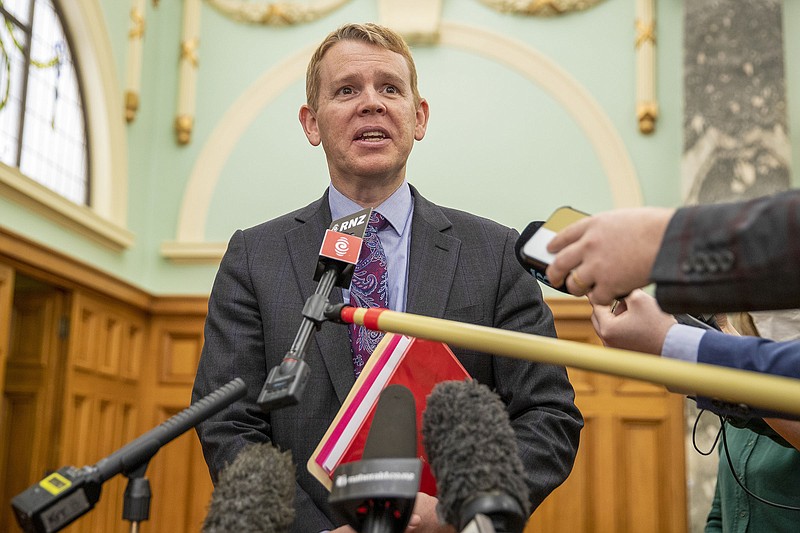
pixel 365 119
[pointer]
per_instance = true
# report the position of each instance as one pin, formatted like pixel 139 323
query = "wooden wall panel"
pixel 102 407
pixel 181 485
pixel 629 472
pixel 16 453
pixel 6 295
pixel 31 390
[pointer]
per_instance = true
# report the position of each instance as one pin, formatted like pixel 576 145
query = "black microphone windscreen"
pixel 254 493
pixel 393 433
pixel 471 447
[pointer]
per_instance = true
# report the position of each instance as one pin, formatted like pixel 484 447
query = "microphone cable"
pixel 721 431
pixel 739 481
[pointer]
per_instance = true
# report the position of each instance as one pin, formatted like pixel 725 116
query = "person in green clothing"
pixel 766 463
pixel 768 468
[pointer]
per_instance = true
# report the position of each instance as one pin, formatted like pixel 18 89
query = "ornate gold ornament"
pixel 134 67
pixel 137 24
pixel 645 49
pixel 645 33
pixel 275 13
pixel 189 51
pixel 183 128
pixel 545 8
pixel 131 105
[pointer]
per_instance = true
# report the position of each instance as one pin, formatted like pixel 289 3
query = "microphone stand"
pixel 285 383
pixel 136 504
pixel 479 524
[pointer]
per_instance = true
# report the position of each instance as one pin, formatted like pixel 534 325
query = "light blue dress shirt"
pixel 682 342
pixel 395 238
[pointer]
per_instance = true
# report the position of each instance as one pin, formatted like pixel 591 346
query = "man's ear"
pixel 309 122
pixel 423 113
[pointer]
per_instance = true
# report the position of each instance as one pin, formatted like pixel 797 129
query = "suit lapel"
pixel 332 339
pixel 433 259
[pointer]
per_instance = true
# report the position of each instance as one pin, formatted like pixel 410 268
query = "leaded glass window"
pixel 42 120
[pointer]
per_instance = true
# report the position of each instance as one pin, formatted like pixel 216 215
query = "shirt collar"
pixel 396 209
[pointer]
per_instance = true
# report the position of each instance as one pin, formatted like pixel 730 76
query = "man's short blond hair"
pixel 370 33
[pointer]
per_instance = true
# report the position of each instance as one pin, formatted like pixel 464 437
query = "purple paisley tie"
pixel 368 289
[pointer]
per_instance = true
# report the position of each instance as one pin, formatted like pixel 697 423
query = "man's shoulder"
pixel 474 225
pixel 458 220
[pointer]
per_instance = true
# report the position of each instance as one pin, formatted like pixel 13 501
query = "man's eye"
pixel 391 89
pixel 346 90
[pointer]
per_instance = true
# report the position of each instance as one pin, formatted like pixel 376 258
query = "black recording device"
pixel 67 494
pixel 531 247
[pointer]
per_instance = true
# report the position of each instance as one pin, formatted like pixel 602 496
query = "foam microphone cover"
pixel 472 451
pixel 393 433
pixel 255 493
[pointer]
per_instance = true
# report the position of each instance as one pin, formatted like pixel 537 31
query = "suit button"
pixel 712 262
pixel 686 267
pixel 699 263
pixel 726 260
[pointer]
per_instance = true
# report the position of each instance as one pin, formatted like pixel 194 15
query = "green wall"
pixel 497 145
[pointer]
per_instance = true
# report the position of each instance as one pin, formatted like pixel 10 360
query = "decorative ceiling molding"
pixel 543 8
pixel 275 13
pixel 416 20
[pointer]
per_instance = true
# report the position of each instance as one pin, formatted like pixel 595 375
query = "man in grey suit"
pixel 364 109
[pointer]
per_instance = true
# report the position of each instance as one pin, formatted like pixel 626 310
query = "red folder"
pixel 416 363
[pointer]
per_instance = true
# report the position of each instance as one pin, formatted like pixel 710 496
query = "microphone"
pixel 338 256
pixel 377 493
pixel 67 494
pixel 341 247
pixel 474 457
pixel 254 493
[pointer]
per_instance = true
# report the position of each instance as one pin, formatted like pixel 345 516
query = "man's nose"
pixel 372 103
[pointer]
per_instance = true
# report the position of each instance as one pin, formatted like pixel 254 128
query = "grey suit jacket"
pixel 461 267
pixel 731 257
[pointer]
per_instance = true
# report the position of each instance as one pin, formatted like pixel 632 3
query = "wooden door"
pixel 32 390
pixel 101 396
pixel 629 474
